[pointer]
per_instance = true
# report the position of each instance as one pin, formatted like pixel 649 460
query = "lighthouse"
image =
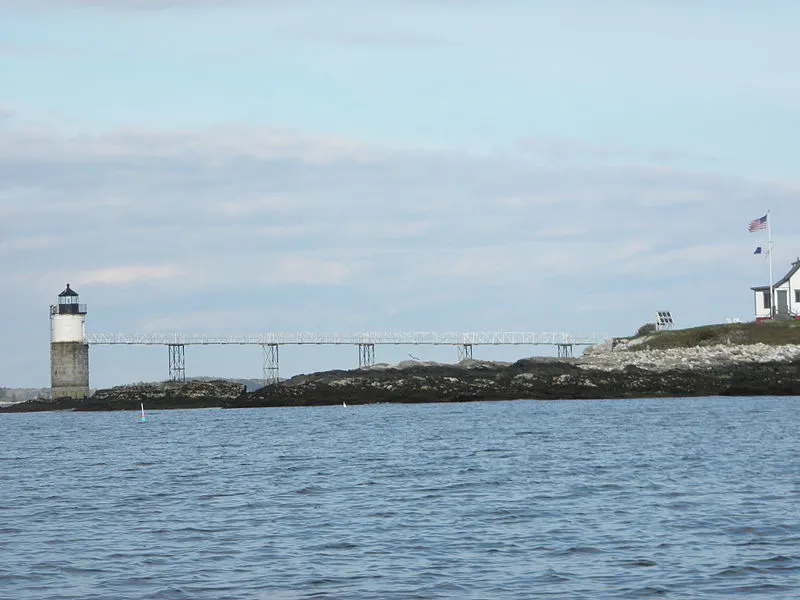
pixel 69 352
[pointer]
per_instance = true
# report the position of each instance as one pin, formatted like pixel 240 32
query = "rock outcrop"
pixel 620 353
pixel 618 369
pixel 604 373
pixel 171 394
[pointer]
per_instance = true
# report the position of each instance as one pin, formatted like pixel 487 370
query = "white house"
pixel 787 297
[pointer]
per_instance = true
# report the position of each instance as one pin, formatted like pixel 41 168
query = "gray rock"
pixel 603 374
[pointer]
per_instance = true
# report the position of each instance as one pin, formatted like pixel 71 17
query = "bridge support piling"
pixel 565 350
pixel 177 362
pixel 464 352
pixel 366 355
pixel 271 364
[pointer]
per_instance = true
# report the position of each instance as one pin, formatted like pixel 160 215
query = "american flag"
pixel 757 224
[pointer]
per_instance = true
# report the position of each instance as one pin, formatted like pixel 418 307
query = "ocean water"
pixel 674 498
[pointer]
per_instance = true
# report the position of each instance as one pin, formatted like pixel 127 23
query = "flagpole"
pixel 769 245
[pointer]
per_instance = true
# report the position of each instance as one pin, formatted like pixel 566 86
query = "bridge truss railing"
pixel 366 343
pixel 498 338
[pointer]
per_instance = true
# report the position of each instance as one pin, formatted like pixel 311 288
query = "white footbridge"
pixel 366 342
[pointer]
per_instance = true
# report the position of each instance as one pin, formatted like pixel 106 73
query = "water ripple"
pixel 693 498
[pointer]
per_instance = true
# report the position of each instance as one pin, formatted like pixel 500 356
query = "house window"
pixel 767 303
pixel 797 295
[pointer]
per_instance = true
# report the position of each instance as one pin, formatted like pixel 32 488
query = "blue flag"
pixel 757 250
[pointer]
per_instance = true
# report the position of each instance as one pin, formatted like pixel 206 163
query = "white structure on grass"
pixel 786 294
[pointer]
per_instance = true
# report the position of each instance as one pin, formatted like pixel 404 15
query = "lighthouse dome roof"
pixel 68 292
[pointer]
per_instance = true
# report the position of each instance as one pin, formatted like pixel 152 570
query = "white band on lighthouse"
pixel 69 328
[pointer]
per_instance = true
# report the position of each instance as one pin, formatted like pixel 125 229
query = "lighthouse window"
pixel 767 303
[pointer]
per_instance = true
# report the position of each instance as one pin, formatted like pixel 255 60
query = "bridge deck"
pixel 498 338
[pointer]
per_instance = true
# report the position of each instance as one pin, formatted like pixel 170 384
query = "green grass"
pixel 773 333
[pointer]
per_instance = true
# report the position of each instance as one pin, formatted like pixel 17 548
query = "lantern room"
pixel 68 303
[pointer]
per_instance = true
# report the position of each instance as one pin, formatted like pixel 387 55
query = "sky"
pixel 242 166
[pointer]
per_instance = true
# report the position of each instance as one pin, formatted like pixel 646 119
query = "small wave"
pixel 73 570
pixel 309 490
pixel 641 562
pixel 220 495
pixel 739 571
pixel 336 546
pixel 779 563
pixel 7 530
pixel 583 550
pixel 758 588
pixel 552 576
pixel 759 531
pixel 649 591
pixel 169 593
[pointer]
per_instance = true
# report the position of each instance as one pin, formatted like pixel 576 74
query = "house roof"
pixel 68 292
pixel 792 271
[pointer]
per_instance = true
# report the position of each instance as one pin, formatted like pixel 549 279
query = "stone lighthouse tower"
pixel 69 352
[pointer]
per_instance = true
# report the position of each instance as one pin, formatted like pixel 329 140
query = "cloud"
pixel 477 266
pixel 213 145
pixel 124 275
pixel 310 271
pixel 266 178
pixel 267 204
pixel 566 149
pixel 564 232
pixel 212 215
pixel 288 231
pixel 137 4
pixel 529 200
pixel 220 319
pixel 560 150
pixel 641 260
pixel 383 38
pixel 27 243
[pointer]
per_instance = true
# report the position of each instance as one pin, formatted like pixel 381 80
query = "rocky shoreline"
pixel 617 369
pixel 167 395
